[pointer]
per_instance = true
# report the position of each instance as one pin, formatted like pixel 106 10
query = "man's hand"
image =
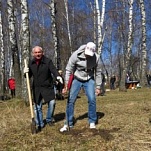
pixel 60 79
pixel 97 92
pixel 26 70
pixel 65 89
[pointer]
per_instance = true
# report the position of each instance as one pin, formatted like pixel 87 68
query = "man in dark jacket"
pixel 42 69
pixel 112 82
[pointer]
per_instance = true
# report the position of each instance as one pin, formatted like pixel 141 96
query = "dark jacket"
pixel 43 85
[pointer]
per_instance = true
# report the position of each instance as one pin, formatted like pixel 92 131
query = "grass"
pixel 123 125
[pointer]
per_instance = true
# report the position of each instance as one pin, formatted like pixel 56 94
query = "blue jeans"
pixel 39 113
pixel 89 88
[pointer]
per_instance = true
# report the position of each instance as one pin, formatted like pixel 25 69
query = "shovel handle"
pixel 29 90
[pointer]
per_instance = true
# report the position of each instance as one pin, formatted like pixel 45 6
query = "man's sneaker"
pixel 65 128
pixel 92 125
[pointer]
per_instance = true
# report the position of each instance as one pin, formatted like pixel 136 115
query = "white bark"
pixel 100 19
pixel 143 45
pixel 68 25
pixel 12 36
pixel 14 48
pixel 54 30
pixel 24 42
pixel 24 30
pixel 129 45
pixel 2 58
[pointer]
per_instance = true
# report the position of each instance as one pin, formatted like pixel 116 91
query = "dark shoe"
pixel 53 120
pixel 150 120
pixel 39 128
pixel 51 123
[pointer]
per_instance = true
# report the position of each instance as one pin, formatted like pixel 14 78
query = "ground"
pixel 123 125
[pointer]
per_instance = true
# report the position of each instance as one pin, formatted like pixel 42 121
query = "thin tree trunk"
pixel 14 48
pixel 2 59
pixel 122 56
pixel 143 45
pixel 129 45
pixel 68 25
pixel 25 42
pixel 100 23
pixel 54 33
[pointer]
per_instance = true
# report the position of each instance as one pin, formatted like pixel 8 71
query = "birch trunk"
pixel 68 25
pixel 2 60
pixel 25 42
pixel 100 19
pixel 14 48
pixel 94 23
pixel 143 44
pixel 129 45
pixel 54 33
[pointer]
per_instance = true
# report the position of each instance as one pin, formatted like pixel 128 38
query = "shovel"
pixel 33 123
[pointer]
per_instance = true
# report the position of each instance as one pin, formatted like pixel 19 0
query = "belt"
pixel 81 80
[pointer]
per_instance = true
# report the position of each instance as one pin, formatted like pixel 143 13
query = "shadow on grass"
pixel 86 132
pixel 99 116
pixel 59 117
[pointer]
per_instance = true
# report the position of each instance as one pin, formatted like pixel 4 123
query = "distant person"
pixel 112 82
pixel 148 76
pixel 41 69
pixel 11 85
pixel 59 87
pixel 103 85
pixel 86 66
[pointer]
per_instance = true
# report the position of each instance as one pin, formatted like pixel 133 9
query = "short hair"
pixel 37 47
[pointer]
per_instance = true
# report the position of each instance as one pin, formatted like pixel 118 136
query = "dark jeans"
pixel 13 93
pixel 112 87
pixel 103 88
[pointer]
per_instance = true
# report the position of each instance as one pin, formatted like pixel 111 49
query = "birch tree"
pixel 143 44
pixel 54 33
pixel 129 45
pixel 68 25
pixel 100 19
pixel 2 58
pixel 25 41
pixel 13 47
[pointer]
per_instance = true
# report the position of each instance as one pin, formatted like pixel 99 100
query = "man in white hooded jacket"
pixel 85 64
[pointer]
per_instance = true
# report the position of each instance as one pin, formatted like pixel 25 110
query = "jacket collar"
pixel 43 60
pixel 80 52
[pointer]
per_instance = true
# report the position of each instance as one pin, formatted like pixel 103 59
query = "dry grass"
pixel 123 125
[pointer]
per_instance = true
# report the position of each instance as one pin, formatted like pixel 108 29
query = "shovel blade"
pixel 33 126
